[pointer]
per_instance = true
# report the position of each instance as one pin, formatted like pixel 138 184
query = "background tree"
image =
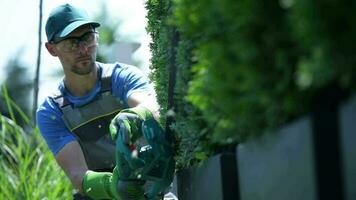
pixel 19 87
pixel 108 32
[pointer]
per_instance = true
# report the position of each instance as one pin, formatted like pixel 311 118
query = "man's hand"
pixel 105 185
pixel 100 185
pixel 126 127
pixel 128 124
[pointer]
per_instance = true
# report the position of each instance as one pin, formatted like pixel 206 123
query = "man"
pixel 75 120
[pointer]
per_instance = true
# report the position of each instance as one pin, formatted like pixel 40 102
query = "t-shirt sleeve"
pixel 52 127
pixel 128 79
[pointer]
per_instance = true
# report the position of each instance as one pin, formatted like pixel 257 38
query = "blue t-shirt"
pixel 126 80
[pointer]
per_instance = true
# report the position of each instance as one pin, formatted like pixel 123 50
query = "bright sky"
pixel 19 32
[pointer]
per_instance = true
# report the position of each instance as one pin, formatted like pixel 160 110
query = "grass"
pixel 27 167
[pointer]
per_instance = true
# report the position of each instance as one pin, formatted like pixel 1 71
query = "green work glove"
pixel 131 190
pixel 105 185
pixel 126 127
pixel 154 162
pixel 129 122
pixel 101 185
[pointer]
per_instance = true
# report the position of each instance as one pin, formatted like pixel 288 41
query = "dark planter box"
pixel 348 147
pixel 279 166
pixel 313 158
pixel 215 179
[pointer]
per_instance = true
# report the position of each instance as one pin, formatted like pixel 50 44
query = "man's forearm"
pixel 71 159
pixel 145 100
pixel 76 179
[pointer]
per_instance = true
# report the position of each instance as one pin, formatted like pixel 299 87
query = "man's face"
pixel 77 52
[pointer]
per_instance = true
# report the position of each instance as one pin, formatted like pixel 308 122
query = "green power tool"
pixel 146 160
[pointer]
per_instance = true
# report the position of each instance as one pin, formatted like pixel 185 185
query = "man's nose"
pixel 83 48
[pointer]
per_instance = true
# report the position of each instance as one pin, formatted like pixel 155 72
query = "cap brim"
pixel 71 27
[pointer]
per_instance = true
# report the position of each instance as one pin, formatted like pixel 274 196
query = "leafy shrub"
pixel 27 167
pixel 246 67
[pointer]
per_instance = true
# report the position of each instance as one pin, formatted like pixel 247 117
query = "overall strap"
pixel 105 74
pixel 106 80
pixel 59 99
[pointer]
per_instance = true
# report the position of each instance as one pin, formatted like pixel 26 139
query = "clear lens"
pixel 73 44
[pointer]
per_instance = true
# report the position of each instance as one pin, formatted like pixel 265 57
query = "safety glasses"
pixel 72 44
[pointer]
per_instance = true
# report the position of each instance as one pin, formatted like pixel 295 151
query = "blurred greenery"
pixel 27 168
pixel 108 28
pixel 247 67
pixel 19 87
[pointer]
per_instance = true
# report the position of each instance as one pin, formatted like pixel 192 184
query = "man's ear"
pixel 50 48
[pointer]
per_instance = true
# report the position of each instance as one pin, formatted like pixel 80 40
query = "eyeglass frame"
pixel 79 40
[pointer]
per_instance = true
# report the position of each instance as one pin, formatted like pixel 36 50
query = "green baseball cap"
pixel 65 19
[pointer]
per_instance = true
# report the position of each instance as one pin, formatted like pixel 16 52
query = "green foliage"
pixel 107 29
pixel 189 126
pixel 325 32
pixel 27 168
pixel 246 67
pixel 243 65
pixel 159 31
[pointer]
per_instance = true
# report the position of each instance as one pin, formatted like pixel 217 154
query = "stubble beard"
pixel 83 67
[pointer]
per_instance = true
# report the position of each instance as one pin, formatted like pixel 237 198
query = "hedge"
pixel 246 67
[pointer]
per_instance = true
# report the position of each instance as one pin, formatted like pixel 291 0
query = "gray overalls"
pixel 90 122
